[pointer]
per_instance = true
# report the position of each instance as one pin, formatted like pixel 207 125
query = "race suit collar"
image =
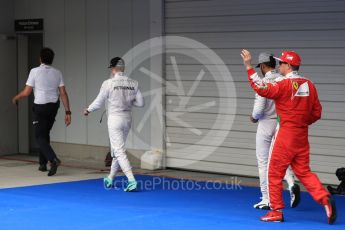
pixel 119 74
pixel 292 74
pixel 44 65
pixel 271 72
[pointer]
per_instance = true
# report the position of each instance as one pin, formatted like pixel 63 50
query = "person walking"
pixel 265 114
pixel 48 86
pixel 297 106
pixel 120 93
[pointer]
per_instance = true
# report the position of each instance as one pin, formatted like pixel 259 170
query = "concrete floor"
pixel 22 170
pixel 18 171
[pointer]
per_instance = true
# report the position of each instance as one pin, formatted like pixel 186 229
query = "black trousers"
pixel 44 118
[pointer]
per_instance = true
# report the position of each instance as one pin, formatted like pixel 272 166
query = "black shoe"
pixel 331 211
pixel 53 168
pixel 43 168
pixel 295 196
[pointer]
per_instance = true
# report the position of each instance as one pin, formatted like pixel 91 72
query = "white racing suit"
pixel 120 93
pixel 264 111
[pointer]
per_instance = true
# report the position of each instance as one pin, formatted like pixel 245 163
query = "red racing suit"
pixel 297 106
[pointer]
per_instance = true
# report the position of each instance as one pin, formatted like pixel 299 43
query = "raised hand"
pixel 247 58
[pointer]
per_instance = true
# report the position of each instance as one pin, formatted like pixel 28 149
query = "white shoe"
pixel 263 204
pixel 295 196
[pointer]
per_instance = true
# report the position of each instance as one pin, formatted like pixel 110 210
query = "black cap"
pixel 116 62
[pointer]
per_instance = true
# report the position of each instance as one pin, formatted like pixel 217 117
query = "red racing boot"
pixel 273 216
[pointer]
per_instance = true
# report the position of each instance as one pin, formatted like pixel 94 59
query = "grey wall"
pixel 6 16
pixel 85 35
pixel 8 125
pixel 315 29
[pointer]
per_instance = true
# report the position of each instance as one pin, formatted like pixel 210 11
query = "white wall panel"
pixel 270 39
pixel 321 21
pixel 121 34
pixel 214 8
pixel 75 67
pixel 97 61
pixel 326 56
pixel 156 29
pixel 54 37
pixel 318 74
pixel 120 27
pixel 140 32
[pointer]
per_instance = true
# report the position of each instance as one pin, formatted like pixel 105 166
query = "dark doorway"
pixel 28 46
pixel 35 44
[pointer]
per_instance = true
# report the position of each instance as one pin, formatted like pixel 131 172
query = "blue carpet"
pixel 160 204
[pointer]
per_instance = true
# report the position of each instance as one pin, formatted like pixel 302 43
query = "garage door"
pixel 208 128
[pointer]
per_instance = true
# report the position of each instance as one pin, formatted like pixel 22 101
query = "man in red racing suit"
pixel 297 106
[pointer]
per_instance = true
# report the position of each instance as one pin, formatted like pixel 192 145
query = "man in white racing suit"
pixel 120 93
pixel 264 112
